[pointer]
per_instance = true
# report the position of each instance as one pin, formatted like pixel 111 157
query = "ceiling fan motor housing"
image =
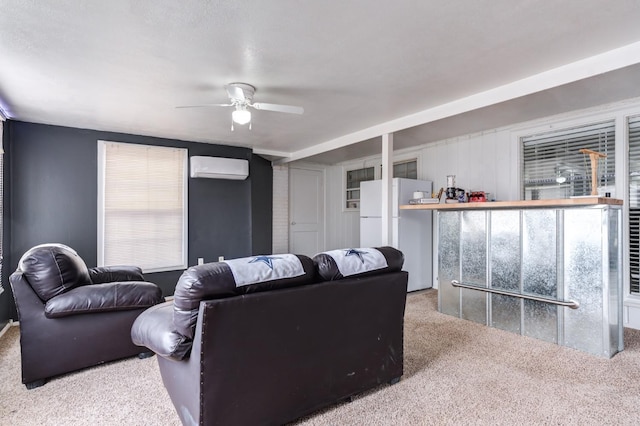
pixel 241 92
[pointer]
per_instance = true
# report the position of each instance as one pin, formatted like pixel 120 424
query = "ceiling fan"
pixel 241 98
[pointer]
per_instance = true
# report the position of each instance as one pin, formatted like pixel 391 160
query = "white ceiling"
pixel 359 68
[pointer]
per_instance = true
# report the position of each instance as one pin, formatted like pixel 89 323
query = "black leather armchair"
pixel 72 317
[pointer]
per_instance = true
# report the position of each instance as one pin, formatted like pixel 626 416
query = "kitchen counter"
pixel 547 269
pixel 566 202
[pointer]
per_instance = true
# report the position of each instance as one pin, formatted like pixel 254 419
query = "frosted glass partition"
pixel 473 265
pixel 551 273
pixel 539 272
pixel 506 312
pixel 449 263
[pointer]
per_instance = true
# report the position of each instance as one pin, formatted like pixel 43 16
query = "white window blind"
pixel 142 206
pixel 554 167
pixel 634 203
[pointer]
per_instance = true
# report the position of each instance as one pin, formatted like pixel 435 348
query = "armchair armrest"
pixel 118 296
pixel 108 274
pixel 154 329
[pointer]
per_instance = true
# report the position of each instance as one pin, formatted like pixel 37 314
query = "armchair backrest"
pixel 53 269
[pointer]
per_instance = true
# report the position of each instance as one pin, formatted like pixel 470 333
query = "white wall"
pixel 342 227
pixel 280 243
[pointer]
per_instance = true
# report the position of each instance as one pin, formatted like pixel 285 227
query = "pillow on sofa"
pixel 52 269
pixel 337 264
pixel 234 277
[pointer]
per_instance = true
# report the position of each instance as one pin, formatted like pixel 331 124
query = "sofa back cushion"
pixel 52 269
pixel 235 277
pixel 338 264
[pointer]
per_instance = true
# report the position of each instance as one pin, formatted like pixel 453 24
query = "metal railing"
pixel 569 303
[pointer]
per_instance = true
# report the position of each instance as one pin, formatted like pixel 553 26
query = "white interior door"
pixel 306 211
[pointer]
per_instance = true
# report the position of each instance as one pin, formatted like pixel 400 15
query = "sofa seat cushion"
pixel 337 264
pixel 118 296
pixel 52 269
pixel 154 329
pixel 216 281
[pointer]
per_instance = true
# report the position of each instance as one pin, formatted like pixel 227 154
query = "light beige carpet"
pixel 456 372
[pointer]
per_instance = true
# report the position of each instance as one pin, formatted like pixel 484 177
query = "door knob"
pixel 293 223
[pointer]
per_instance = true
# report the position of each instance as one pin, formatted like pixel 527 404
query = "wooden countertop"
pixel 520 204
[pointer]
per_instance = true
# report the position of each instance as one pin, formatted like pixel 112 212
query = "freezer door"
pixel 371 198
pixel 370 231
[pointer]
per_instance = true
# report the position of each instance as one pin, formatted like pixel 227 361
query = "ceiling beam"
pixel 271 153
pixel 595 65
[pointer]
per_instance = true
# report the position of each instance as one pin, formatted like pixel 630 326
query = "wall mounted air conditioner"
pixel 219 168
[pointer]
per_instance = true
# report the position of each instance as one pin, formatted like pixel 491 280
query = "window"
pixel 634 204
pixel 406 169
pixel 354 177
pixel 142 206
pixel 554 167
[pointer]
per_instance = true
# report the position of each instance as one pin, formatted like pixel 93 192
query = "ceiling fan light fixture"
pixel 241 116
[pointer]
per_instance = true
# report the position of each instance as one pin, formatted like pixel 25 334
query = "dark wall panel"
pixel 52 184
pixel 261 174
pixel 6 302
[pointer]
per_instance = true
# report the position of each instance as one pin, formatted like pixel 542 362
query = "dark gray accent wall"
pixel 261 174
pixel 6 302
pixel 51 186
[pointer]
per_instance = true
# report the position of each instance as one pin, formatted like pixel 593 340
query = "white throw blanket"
pixel 256 269
pixel 356 261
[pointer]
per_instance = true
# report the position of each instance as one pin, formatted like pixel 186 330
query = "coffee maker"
pixel 452 192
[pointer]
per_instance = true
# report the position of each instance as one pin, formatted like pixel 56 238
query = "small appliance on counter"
pixel 454 195
pixel 420 197
pixel 477 197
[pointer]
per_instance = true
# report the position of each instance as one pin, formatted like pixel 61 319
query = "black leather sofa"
pixel 72 317
pixel 273 351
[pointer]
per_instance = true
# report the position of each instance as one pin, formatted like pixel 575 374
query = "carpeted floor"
pixel 456 372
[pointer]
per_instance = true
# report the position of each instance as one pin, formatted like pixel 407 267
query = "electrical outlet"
pixel 220 258
pixel 201 261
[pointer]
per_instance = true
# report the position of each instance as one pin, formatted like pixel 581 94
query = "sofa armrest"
pixel 119 296
pixel 109 274
pixel 154 329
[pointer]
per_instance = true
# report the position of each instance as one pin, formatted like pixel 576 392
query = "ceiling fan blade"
pixel 203 105
pixel 279 108
pixel 235 92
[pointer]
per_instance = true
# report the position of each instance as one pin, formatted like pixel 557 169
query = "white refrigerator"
pixel 411 229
